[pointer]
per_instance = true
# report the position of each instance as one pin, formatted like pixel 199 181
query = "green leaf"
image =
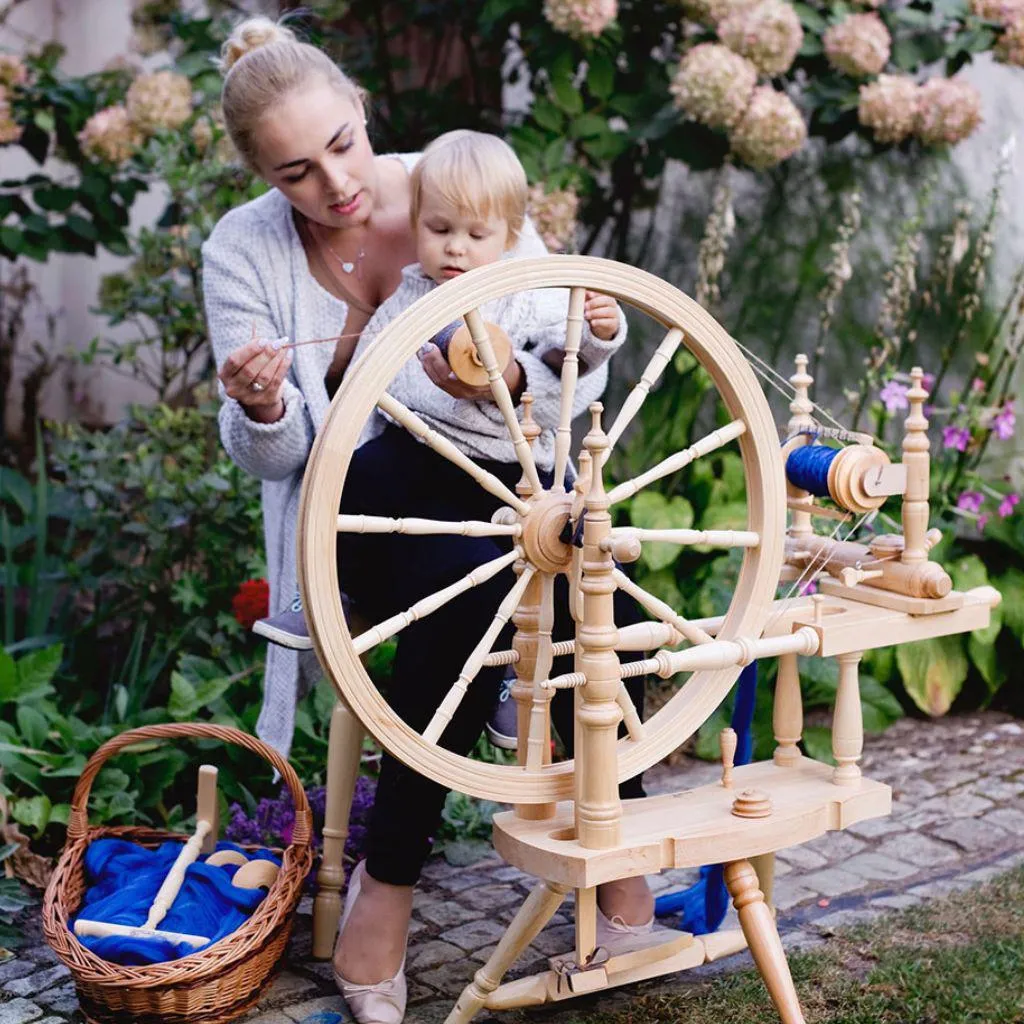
pixel 967 572
pixel 32 725
pixel 817 741
pixel 55 198
pixel 587 126
pixel 653 511
pixel 600 75
pixel 810 18
pixel 8 678
pixel 32 812
pixel 567 96
pixel 81 227
pixel 933 672
pixel 36 672
pixel 547 115
pixel 1011 585
pixel 878 704
pixel 986 660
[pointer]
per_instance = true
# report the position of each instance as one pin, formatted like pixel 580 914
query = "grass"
pixel 958 960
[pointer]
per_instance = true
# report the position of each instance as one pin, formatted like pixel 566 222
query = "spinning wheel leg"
pixel 538 909
pixel 345 744
pixel 762 937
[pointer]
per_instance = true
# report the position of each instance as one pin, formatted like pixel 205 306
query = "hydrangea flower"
pixel 580 18
pixel 956 438
pixel 970 501
pixel 1004 421
pixel 110 135
pixel 1001 11
pixel 1008 504
pixel 13 71
pixel 554 215
pixel 768 35
pixel 949 110
pixel 160 100
pixel 770 131
pixel 1009 46
pixel 894 396
pixel 888 106
pixel 711 12
pixel 858 45
pixel 713 85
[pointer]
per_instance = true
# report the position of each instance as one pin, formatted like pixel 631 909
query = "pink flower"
pixel 580 18
pixel 982 520
pixel 1008 504
pixel 1004 421
pixel 955 437
pixel 970 501
pixel 1009 47
pixel 770 131
pixel 859 45
pixel 810 587
pixel 894 395
pixel 110 135
pixel 888 106
pixel 949 111
pixel 554 215
pixel 927 381
pixel 713 85
pixel 768 35
pixel 977 385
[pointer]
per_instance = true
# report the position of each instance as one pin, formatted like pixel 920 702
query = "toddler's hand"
pixel 602 313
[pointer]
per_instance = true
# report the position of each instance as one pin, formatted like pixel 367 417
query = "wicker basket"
pixel 213 985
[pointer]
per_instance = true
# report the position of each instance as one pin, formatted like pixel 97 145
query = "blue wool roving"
pixel 123 881
pixel 807 468
pixel 444 336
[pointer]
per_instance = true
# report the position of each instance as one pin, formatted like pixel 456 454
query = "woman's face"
pixel 313 147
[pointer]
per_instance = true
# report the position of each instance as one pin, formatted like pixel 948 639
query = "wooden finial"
pixel 915 458
pixel 801 407
pixel 531 431
pixel 727 741
pixel 752 803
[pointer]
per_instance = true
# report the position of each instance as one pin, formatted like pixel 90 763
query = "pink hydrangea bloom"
pixel 768 35
pixel 554 215
pixel 10 130
pixel 970 501
pixel 949 111
pixel 888 106
pixel 13 71
pixel 580 18
pixel 1002 11
pixel 1009 46
pixel 160 100
pixel 956 438
pixel 1004 421
pixel 894 395
pixel 859 45
pixel 713 85
pixel 1008 504
pixel 770 131
pixel 110 135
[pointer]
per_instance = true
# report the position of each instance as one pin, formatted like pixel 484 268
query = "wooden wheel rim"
pixel 328 465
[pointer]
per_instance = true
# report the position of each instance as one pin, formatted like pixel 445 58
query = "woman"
pixel 317 253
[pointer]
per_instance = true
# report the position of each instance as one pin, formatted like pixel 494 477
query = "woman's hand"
pixel 440 372
pixel 254 375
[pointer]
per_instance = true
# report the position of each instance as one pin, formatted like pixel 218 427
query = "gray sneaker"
pixel 502 725
pixel 287 628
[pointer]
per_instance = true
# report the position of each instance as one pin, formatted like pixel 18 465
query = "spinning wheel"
pixel 882 594
pixel 537 518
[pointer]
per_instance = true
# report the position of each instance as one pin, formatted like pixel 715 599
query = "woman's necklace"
pixel 348 266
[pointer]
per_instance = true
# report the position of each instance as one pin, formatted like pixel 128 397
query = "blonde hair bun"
pixel 250 35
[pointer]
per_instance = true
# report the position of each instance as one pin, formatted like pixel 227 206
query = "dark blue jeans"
pixel 395 475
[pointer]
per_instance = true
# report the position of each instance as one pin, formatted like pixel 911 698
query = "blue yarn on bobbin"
pixel 444 337
pixel 807 468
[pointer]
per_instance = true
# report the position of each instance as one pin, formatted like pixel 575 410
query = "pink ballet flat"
pixel 382 1002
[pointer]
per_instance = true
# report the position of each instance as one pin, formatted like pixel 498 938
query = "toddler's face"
pixel 448 243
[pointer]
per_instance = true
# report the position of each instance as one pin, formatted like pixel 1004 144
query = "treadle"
pixel 692 827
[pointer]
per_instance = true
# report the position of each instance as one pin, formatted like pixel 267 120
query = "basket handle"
pixel 78 819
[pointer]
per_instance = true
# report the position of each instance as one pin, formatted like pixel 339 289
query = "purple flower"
pixel 982 520
pixel 970 501
pixel 810 587
pixel 955 437
pixel 894 395
pixel 927 380
pixel 1007 505
pixel 1004 421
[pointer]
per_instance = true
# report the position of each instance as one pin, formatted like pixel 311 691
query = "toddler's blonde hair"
pixel 262 61
pixel 476 173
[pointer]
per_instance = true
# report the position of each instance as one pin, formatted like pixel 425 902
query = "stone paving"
pixel 958 820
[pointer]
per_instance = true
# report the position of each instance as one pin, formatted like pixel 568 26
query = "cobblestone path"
pixel 958 819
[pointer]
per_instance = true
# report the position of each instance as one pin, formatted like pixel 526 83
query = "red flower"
pixel 252 602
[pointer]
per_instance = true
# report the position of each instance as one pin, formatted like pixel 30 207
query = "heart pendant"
pixel 348 267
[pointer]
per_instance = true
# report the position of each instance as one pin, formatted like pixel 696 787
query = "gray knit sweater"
pixel 535 321
pixel 255 272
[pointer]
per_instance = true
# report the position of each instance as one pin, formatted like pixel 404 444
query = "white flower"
pixel 110 135
pixel 160 100
pixel 771 130
pixel 713 85
pixel 859 45
pixel 580 18
pixel 949 110
pixel 769 35
pixel 888 106
pixel 554 215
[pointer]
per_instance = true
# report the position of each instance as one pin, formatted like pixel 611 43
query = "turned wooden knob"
pixel 462 356
pixel 727 741
pixel 752 803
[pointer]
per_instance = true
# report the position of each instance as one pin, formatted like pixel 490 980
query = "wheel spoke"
pixel 488 481
pixel 502 397
pixel 430 604
pixel 570 375
pixel 712 538
pixel 704 446
pixel 664 353
pixel 426 527
pixel 660 610
pixel 630 716
pixel 453 698
pixel 538 742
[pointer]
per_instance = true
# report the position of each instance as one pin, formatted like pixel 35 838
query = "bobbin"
pixel 456 345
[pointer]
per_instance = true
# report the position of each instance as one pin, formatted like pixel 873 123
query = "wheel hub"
pixel 543 526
